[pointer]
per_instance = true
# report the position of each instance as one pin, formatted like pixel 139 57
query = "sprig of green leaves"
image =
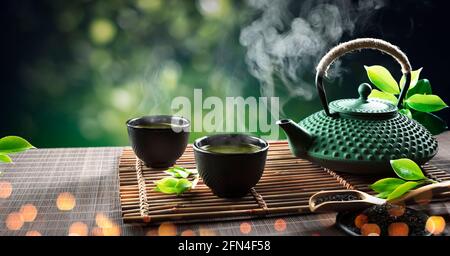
pixel 419 101
pixel 180 172
pixel 410 176
pixel 10 145
pixel 178 182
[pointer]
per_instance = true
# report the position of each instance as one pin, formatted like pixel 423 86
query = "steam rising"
pixel 284 46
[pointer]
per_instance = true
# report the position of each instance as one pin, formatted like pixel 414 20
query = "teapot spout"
pixel 299 139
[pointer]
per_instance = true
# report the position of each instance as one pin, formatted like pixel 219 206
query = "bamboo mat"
pixel 284 189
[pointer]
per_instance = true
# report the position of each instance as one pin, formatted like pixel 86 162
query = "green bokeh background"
pixel 78 70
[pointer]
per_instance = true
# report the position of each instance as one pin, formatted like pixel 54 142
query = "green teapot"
pixel 359 135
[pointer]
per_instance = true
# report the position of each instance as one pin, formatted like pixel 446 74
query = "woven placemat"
pixel 285 188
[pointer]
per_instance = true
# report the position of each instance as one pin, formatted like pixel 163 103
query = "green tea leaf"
pixel 177 173
pixel 406 112
pixel 5 158
pixel 433 123
pixel 384 194
pixel 402 189
pixel 166 185
pixel 13 144
pixel 383 96
pixel 425 103
pixel 180 172
pixel 183 184
pixel 387 185
pixel 423 87
pixel 414 78
pixel 407 169
pixel 382 78
pixel 171 185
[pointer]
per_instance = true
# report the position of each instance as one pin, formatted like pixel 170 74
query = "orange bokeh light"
pixel 167 229
pixel 398 229
pixel 103 221
pixel 435 225
pixel 65 201
pixel 370 230
pixel 360 220
pixel 33 233
pixel 206 232
pixel 396 210
pixel 280 225
pixel 29 212
pixel 188 232
pixel 14 221
pixel 96 231
pixel 78 229
pixel 114 230
pixel 424 198
pixel 245 228
pixel 5 189
pixel 152 232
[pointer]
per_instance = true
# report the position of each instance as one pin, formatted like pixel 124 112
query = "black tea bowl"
pixel 230 175
pixel 158 140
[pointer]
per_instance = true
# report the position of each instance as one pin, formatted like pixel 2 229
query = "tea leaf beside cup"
pixel 180 172
pixel 12 144
pixel 177 183
pixel 170 185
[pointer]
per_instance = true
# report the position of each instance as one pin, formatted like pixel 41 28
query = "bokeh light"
pixel 424 198
pixel 33 233
pixel 396 210
pixel 149 5
pixel 245 228
pixel 206 232
pixel 29 212
pixel 435 225
pixel 102 31
pixel 167 229
pixel 103 221
pixel 78 229
pixel 360 220
pixel 398 229
pixel 5 189
pixel 214 8
pixel 370 229
pixel 188 232
pixel 14 221
pixel 114 230
pixel 152 232
pixel 280 225
pixel 97 231
pixel 65 201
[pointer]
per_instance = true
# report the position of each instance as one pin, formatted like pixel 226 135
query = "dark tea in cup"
pixel 158 140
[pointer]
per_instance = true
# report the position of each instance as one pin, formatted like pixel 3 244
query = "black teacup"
pixel 230 164
pixel 158 140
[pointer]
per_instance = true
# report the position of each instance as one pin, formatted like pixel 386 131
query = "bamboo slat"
pixel 285 187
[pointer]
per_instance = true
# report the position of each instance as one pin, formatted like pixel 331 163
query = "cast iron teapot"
pixel 359 135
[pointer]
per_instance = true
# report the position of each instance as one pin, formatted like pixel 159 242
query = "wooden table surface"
pixel 74 191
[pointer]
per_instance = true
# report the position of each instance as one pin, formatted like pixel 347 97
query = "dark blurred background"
pixel 74 71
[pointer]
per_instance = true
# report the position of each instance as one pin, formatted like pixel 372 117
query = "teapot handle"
pixel 359 44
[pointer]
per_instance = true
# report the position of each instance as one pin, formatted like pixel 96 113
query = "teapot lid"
pixel 364 107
